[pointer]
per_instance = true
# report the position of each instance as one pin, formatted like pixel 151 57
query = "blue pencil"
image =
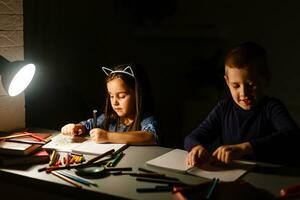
pixel 76 178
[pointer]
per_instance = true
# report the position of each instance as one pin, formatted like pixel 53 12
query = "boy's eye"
pixel 235 85
pixel 252 84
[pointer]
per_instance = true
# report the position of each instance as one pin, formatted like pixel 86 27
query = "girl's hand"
pixel 197 156
pixel 99 135
pixel 73 129
pixel 227 153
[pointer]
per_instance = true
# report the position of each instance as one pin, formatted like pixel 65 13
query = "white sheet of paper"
pixel 80 145
pixel 65 143
pixel 176 160
pixel 90 147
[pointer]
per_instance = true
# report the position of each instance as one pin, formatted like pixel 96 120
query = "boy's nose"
pixel 245 91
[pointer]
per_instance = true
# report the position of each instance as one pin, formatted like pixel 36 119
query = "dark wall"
pixel 180 44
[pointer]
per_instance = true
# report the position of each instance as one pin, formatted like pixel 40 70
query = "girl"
pixel 126 118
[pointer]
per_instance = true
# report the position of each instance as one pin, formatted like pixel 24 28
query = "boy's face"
pixel 246 86
pixel 122 98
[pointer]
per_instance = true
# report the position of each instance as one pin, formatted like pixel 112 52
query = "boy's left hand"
pixel 99 135
pixel 227 153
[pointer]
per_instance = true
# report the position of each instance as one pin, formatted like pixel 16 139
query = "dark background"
pixel 180 43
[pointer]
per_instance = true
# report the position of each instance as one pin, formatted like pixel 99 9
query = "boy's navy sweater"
pixel 272 133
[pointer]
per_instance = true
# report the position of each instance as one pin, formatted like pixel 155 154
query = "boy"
pixel 250 124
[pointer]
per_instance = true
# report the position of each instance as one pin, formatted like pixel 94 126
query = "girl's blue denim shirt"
pixel 148 124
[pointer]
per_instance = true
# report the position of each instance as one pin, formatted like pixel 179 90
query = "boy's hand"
pixel 227 153
pixel 99 135
pixel 73 129
pixel 197 156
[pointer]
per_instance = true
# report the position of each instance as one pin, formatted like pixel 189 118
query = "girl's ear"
pixel 129 70
pixel 106 70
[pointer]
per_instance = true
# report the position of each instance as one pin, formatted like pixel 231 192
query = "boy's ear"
pixel 226 79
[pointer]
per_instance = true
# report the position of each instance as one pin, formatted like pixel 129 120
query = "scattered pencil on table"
pixel 212 188
pixel 158 188
pixel 67 159
pixel 66 179
pixel 145 170
pixel 77 178
pixel 36 137
pixel 107 153
pixel 14 136
pixel 152 180
pixel 53 158
pixel 115 160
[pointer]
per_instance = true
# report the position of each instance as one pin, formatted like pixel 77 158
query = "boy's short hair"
pixel 248 54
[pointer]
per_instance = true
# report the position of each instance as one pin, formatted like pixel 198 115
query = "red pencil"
pixel 67 159
pixel 37 137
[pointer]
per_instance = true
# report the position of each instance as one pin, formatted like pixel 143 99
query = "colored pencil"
pixel 212 188
pixel 115 160
pixel 66 179
pixel 100 156
pixel 76 178
pixel 37 137
pixel 173 182
pixel 14 136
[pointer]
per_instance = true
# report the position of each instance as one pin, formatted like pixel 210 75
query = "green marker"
pixel 115 160
pixel 212 188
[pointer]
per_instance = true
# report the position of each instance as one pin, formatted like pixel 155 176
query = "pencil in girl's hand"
pixel 94 118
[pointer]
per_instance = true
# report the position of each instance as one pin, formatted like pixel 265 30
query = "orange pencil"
pixel 72 159
pixel 14 136
pixel 77 160
pixel 66 179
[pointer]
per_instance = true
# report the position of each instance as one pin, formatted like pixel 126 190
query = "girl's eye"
pixel 122 96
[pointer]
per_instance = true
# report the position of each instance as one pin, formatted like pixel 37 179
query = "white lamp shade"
pixel 21 80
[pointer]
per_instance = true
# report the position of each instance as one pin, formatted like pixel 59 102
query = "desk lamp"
pixel 16 75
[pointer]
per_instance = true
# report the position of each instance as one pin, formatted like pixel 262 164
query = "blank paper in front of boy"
pixel 176 160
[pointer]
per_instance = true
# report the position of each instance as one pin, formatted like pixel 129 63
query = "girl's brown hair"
pixel 140 87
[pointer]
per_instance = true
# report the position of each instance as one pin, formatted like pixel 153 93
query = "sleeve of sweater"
pixel 284 142
pixel 89 123
pixel 207 131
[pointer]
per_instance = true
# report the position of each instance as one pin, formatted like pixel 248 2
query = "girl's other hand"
pixel 198 155
pixel 99 135
pixel 73 129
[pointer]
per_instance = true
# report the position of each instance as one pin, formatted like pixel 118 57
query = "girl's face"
pixel 246 86
pixel 122 98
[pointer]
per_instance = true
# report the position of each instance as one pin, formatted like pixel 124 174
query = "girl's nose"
pixel 115 102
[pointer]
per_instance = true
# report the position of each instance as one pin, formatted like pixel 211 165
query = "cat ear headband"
pixel 127 71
